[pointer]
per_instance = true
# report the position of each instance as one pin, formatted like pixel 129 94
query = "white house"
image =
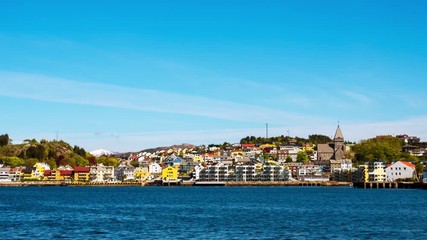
pixel 154 168
pixel 197 169
pixel 39 169
pixel 101 173
pixel 4 174
pixel 400 170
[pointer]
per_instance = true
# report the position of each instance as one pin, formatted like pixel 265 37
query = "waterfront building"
pixel 57 175
pixel 274 173
pixel 125 173
pixel 38 170
pixel 16 173
pixel 361 174
pixel 218 172
pixel 65 175
pixel 140 173
pixel 154 168
pixel 81 174
pixel 310 172
pixel 170 174
pixel 197 170
pixel 400 170
pixel 4 174
pixel 101 173
pixel 293 168
pixel 376 171
pixel 344 175
pixel 242 173
pixel 245 173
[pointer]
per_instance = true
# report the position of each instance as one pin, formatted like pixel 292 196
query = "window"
pixel 404 168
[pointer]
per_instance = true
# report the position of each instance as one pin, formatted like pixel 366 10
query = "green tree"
pixel 302 157
pixel 289 159
pixel 318 139
pixel 386 148
pixel 134 163
pixel 37 151
pixel 108 161
pixel 4 140
pixel 419 167
pixel 52 163
pixel 12 161
pixel 30 162
pixel 80 161
pixel 80 151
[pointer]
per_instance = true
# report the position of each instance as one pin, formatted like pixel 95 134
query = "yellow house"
pixel 308 147
pixel 81 174
pixel 363 173
pixel 170 174
pixel 267 146
pixel 198 159
pixel 38 171
pixel 141 173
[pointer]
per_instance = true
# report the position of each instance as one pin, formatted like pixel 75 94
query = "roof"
pixel 65 172
pixel 324 148
pixel 408 164
pixel 47 172
pixel 248 145
pixel 338 134
pixel 82 169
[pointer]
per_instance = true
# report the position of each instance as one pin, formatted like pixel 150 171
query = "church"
pixel 334 150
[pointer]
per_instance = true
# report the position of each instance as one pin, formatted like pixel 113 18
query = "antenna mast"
pixel 266 130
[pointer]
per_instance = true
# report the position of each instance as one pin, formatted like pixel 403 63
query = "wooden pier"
pixel 384 185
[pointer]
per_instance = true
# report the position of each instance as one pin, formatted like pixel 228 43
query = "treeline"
pixel 55 153
pixel 286 140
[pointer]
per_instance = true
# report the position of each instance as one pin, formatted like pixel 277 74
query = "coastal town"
pixel 333 161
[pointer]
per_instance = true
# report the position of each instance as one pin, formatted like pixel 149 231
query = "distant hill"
pixel 102 152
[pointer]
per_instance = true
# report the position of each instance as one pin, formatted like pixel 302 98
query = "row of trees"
pixel 55 153
pixel 286 140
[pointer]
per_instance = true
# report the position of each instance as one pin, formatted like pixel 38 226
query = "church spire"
pixel 338 134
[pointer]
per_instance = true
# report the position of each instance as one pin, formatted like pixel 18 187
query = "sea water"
pixel 212 213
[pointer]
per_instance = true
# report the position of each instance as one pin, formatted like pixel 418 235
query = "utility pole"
pixel 266 130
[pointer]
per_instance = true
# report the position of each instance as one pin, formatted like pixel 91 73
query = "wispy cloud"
pixel 352 131
pixel 44 88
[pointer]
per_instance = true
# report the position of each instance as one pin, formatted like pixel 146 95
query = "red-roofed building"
pixel 81 174
pixel 248 146
pixel 400 170
pixel 65 174
pixel 49 175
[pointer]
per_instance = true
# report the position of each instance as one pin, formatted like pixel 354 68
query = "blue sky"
pixel 128 75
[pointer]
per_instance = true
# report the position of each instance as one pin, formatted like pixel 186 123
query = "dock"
pixel 384 185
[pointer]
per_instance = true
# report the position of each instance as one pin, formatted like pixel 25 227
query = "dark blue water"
pixel 212 213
